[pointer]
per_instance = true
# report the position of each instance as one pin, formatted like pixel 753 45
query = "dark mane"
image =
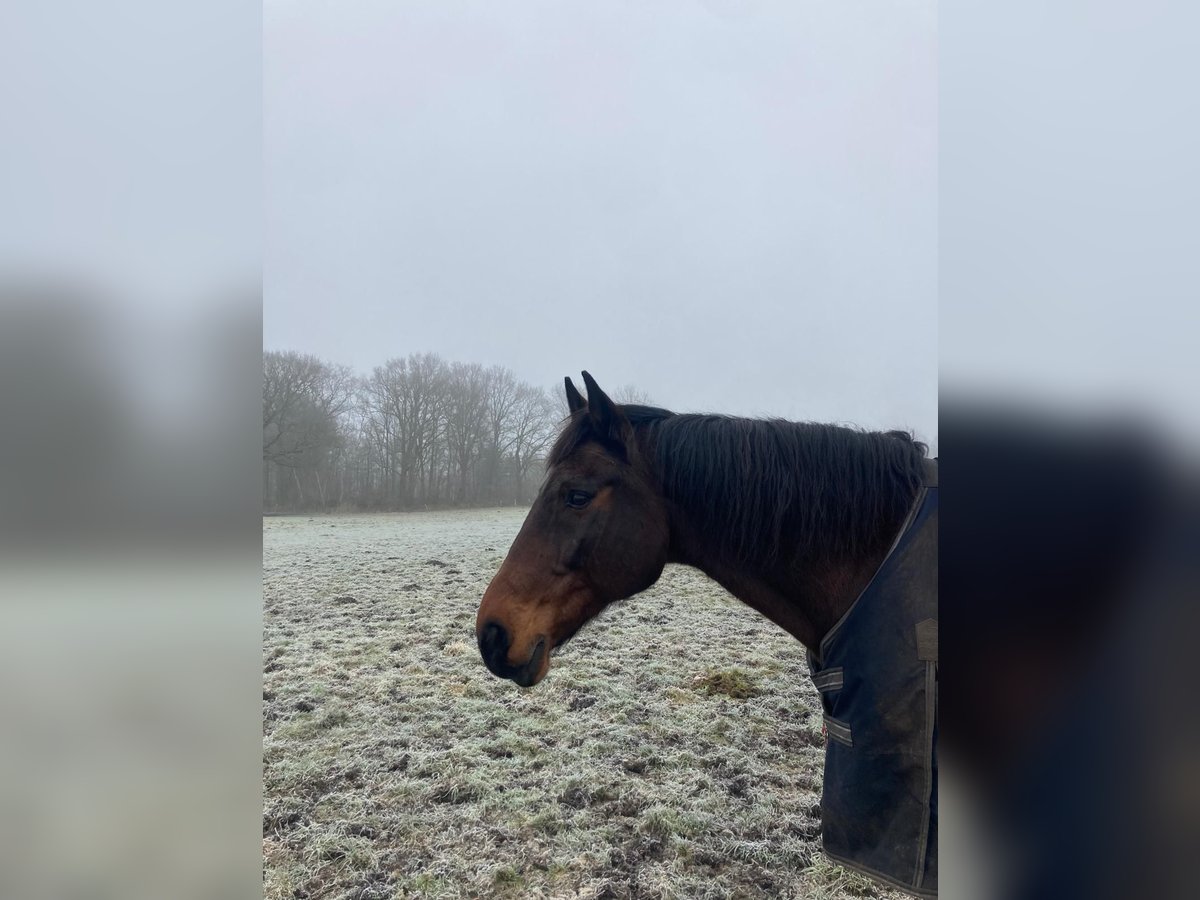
pixel 827 492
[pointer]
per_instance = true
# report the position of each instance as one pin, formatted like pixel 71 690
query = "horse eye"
pixel 578 499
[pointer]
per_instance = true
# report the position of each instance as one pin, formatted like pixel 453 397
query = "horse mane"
pixel 771 489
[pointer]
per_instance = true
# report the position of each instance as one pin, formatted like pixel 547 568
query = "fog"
pixel 732 207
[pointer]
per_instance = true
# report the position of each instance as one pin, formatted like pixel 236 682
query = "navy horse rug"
pixel 877 675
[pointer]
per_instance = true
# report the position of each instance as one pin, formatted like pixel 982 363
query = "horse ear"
pixel 606 418
pixel 575 401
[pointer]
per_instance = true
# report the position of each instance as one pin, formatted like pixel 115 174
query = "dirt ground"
pixel 674 750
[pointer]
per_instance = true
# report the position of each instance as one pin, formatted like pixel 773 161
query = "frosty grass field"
pixel 674 750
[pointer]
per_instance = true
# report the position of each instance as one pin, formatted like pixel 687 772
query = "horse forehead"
pixel 588 459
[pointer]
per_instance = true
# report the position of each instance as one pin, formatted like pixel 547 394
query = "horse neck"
pixel 805 599
pixel 804 596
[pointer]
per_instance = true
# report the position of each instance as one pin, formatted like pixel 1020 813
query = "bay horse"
pixel 793 519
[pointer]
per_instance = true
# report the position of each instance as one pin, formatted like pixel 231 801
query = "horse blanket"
pixel 877 675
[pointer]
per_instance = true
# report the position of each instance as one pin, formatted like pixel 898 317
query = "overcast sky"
pixel 731 205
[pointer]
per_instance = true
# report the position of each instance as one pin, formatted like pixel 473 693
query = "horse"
pixel 794 519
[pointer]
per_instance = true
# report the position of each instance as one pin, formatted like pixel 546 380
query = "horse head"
pixel 596 533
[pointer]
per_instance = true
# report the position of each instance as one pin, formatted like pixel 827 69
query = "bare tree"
pixel 630 395
pixel 303 402
pixel 416 431
pixel 534 427
pixel 465 418
pixel 302 399
pixel 501 394
pixel 426 395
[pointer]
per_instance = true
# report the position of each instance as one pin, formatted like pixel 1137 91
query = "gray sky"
pixel 732 206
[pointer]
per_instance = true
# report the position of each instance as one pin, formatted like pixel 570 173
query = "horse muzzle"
pixel 494 646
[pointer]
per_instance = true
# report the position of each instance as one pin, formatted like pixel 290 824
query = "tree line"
pixel 417 432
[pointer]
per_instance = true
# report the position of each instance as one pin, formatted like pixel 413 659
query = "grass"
pixel 652 762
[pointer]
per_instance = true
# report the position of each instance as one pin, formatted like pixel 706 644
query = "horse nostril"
pixel 493 642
